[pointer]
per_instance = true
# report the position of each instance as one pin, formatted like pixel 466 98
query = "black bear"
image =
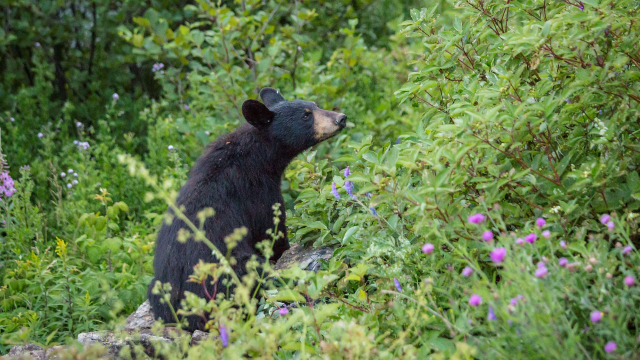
pixel 239 176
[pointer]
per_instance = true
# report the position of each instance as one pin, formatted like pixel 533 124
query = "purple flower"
pixel 605 218
pixel 170 147
pixel 115 96
pixel 610 347
pixel 398 140
pixel 476 218
pixel 12 119
pixel 75 142
pixel 348 185
pixel 568 101
pixel 541 272
pixel 75 182
pixel 334 191
pixel 69 186
pixel 347 172
pixel 62 174
pixel 373 210
pixel 75 174
pixel 186 107
pixel 40 135
pixel 562 262
pixel 83 146
pixel 546 234
pixel 531 238
pixel 467 271
pixel 629 280
pixel 596 316
pixel 283 311
pixel 498 254
pixel 369 195
pixel 428 248
pixel 475 300
pixel 37 44
pixel 519 241
pixel 70 171
pixel 610 225
pixel 78 124
pixel 397 284
pixel 600 111
pixel 157 67
pixel 514 301
pixel 581 7
pixel 6 184
pixel 627 250
pixel 487 236
pixel 224 335
pixel 492 315
pixel 563 244
pixel 540 222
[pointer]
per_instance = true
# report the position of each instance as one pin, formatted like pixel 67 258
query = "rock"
pixel 32 351
pixel 141 318
pixel 106 338
pixel 198 336
pixel 306 258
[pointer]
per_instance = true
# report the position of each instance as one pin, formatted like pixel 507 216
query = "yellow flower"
pixel 61 247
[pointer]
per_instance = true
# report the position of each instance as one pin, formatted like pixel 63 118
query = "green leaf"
pixel 347 235
pixel 457 24
pixel 287 295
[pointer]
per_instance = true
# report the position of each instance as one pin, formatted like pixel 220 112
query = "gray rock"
pixel 32 351
pixel 141 318
pixel 306 258
pixel 106 338
pixel 198 336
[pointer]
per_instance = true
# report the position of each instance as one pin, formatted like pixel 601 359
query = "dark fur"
pixel 239 176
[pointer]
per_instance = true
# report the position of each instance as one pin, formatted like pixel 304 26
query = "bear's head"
pixel 297 125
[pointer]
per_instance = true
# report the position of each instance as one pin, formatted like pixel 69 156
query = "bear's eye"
pixel 306 115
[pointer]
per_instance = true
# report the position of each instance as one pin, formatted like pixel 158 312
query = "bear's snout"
pixel 341 121
pixel 328 123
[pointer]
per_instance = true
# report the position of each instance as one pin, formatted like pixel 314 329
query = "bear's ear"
pixel 257 114
pixel 270 96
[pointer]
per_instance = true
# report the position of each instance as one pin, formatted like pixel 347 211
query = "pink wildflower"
pixel 475 300
pixel 531 238
pixel 498 254
pixel 467 271
pixel 428 248
pixel 476 218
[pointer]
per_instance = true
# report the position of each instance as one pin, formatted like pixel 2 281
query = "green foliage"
pixel 516 111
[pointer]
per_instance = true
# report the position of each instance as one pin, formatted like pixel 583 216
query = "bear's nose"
pixel 341 120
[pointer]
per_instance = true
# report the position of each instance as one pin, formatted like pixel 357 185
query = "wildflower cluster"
pixel 157 67
pixel 71 176
pixel 82 145
pixel 6 185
